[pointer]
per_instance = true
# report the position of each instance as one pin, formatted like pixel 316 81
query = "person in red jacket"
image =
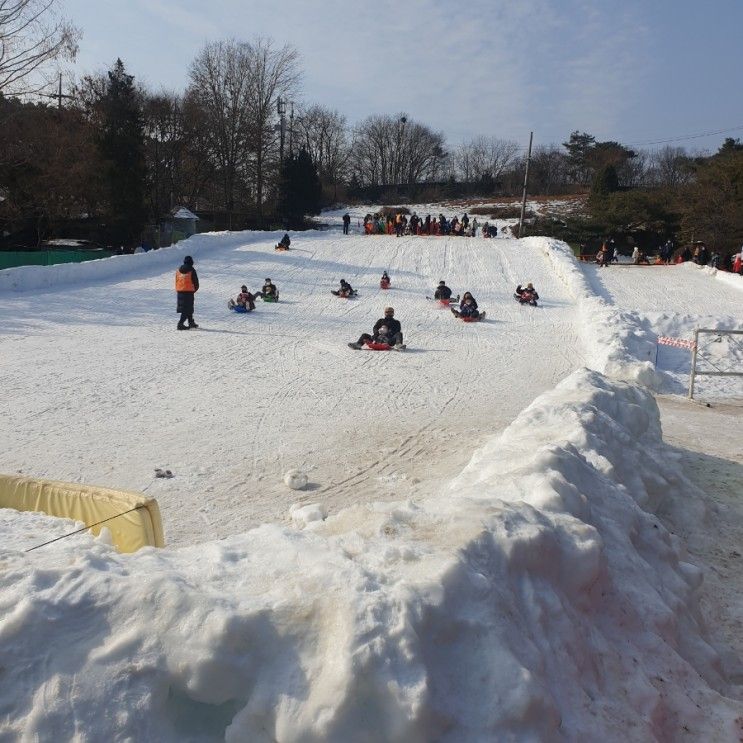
pixel 186 285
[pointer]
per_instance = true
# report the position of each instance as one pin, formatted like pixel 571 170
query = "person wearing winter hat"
pixel 386 330
pixel 245 299
pixel 269 291
pixel 186 285
pixel 527 294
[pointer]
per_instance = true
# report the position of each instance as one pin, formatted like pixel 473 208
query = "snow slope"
pixel 534 596
pixel 102 389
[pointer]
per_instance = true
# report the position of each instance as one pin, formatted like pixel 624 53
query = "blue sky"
pixel 635 71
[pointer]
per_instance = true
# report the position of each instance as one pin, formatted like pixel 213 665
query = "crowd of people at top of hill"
pixel 400 224
pixel 668 254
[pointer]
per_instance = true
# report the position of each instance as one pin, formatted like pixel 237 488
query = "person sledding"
pixel 468 308
pixel 443 295
pixel 269 292
pixel 244 300
pixel 345 291
pixel 284 243
pixel 387 332
pixel 385 281
pixel 527 294
pixel 443 292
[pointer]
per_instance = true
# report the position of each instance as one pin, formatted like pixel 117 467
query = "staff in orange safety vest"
pixel 186 285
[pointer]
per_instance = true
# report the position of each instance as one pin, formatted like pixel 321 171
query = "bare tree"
pixel 486 158
pixel 633 171
pixel 177 151
pixel 394 150
pixel 274 73
pixel 32 34
pixel 222 80
pixel 548 173
pixel 671 166
pixel 324 134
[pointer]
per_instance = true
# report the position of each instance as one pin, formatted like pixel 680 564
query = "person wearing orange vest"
pixel 186 285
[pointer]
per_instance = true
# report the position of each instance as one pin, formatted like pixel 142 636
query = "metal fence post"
pixel 693 364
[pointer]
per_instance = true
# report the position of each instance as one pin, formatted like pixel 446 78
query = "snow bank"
pixel 620 332
pixel 616 341
pixel 27 278
pixel 21 530
pixel 731 279
pixel 534 598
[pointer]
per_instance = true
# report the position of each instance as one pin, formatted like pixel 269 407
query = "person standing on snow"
pixel 346 222
pixel 186 285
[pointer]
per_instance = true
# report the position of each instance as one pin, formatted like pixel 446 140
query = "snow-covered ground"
pixel 542 591
pixel 102 388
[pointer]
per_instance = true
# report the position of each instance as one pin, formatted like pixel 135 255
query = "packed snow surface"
pixel 532 594
pixel 102 388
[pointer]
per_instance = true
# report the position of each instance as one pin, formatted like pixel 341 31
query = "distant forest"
pixel 109 159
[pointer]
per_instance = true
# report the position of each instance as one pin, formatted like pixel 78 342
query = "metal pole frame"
pixel 526 183
pixel 693 373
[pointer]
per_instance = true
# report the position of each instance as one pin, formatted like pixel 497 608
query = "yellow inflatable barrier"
pixel 140 527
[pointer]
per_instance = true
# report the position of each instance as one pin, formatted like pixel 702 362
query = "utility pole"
pixel 291 131
pixel 281 110
pixel 59 95
pixel 526 182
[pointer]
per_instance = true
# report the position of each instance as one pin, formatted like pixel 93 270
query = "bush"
pixel 512 211
pixel 392 210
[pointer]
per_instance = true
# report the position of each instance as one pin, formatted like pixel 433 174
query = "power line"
pixel 685 137
pixel 681 138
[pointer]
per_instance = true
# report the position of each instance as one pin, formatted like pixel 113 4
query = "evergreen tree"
pixel 579 147
pixel 301 191
pixel 604 182
pixel 730 145
pixel 712 205
pixel 122 147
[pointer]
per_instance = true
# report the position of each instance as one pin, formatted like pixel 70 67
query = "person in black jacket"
pixel 442 291
pixel 186 285
pixel 269 290
pixel 527 294
pixel 386 330
pixel 345 291
pixel 346 222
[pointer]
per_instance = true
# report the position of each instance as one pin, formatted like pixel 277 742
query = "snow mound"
pixel 619 345
pixel 304 515
pixel 295 479
pixel 22 530
pixel 536 597
pixel 32 278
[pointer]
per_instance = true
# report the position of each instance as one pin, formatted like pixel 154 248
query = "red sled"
pixel 384 284
pixel 444 302
pixel 481 316
pixel 374 346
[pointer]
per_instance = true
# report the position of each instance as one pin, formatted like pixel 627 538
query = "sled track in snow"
pixel 229 408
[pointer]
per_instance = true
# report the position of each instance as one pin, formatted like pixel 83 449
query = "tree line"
pixel 112 158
